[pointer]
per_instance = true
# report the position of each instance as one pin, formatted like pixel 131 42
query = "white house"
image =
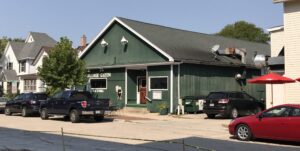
pixel 20 62
pixel 285 54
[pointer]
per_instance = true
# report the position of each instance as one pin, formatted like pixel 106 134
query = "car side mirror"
pixel 260 116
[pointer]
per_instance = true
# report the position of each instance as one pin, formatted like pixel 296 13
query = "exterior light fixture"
pixel 124 41
pixel 104 43
pixel 238 76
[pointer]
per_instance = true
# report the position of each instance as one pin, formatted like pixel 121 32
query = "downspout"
pixel 171 89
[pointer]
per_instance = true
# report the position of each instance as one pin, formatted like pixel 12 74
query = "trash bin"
pixel 193 104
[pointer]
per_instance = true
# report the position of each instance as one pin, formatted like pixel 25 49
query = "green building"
pixel 140 64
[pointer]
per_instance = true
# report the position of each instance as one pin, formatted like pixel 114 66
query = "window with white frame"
pixel 100 83
pixel 29 85
pixel 158 83
pixel 9 66
pixel 23 66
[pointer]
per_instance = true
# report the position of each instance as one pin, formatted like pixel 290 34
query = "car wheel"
pixel 7 111
pixel 243 132
pixel 25 112
pixel 234 113
pixel 44 114
pixel 74 116
pixel 211 115
pixel 99 118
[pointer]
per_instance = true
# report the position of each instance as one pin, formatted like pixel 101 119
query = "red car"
pixel 277 123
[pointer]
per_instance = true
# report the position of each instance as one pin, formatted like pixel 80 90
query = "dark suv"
pixel 25 103
pixel 231 104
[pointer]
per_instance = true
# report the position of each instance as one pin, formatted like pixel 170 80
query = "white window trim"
pixel 150 77
pixel 98 88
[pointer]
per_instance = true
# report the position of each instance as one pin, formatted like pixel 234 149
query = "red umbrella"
pixel 298 79
pixel 271 78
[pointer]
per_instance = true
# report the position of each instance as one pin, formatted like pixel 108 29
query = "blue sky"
pixel 72 18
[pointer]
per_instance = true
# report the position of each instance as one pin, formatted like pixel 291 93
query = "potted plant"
pixel 163 108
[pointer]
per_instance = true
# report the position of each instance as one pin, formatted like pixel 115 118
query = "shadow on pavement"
pixel 13 139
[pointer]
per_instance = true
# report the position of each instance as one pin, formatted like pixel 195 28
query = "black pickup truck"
pixel 75 105
pixel 25 103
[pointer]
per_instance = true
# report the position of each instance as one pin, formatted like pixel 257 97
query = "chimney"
pixel 83 41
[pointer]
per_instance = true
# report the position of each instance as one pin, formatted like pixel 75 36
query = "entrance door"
pixel 141 90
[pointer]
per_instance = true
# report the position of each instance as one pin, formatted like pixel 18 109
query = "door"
pixel 141 90
pixel 293 125
pixel 53 107
pixel 273 123
pixel 18 102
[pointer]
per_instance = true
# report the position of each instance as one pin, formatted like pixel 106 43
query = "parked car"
pixel 231 104
pixel 25 103
pixel 3 101
pixel 278 123
pixel 75 105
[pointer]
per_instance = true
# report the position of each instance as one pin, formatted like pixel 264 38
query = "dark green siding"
pixel 132 84
pixel 158 71
pixel 201 79
pixel 117 78
pixel 136 51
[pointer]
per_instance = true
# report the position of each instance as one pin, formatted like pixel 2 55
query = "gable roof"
pixel 31 50
pixel 8 75
pixel 187 46
pixel 40 53
pixel 17 47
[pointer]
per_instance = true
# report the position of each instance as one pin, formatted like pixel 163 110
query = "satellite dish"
pixel 215 48
pixel 260 60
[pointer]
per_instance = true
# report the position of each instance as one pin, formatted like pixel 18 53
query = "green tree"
pixel 61 68
pixel 4 40
pixel 245 31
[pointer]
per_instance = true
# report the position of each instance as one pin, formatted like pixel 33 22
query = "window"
pixel 40 96
pixel 23 66
pixel 217 95
pixel 28 96
pixel 295 112
pixel 58 95
pixel 9 66
pixel 158 83
pixel 277 112
pixel 98 83
pixel 29 85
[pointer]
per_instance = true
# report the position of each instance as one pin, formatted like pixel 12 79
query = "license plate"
pixel 98 112
pixel 87 112
pixel 211 104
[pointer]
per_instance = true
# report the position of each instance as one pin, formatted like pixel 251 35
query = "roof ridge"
pixel 185 30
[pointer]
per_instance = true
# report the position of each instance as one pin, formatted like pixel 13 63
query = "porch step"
pixel 138 110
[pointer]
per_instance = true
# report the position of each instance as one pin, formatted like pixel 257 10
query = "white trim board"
pixel 115 19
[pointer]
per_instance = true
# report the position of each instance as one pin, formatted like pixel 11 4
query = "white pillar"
pixel 171 89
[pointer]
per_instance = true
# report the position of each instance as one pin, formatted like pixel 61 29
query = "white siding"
pixel 292 49
pixel 10 57
pixel 277 41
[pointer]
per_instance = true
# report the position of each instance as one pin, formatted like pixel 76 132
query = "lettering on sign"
pixel 99 75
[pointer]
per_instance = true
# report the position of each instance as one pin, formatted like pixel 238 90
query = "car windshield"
pixel 216 95
pixel 81 96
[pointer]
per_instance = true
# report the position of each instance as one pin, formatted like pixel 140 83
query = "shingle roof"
pixel 30 50
pixel 191 46
pixel 8 75
pixel 17 47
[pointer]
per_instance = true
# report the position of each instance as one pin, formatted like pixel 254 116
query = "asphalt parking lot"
pixel 125 132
